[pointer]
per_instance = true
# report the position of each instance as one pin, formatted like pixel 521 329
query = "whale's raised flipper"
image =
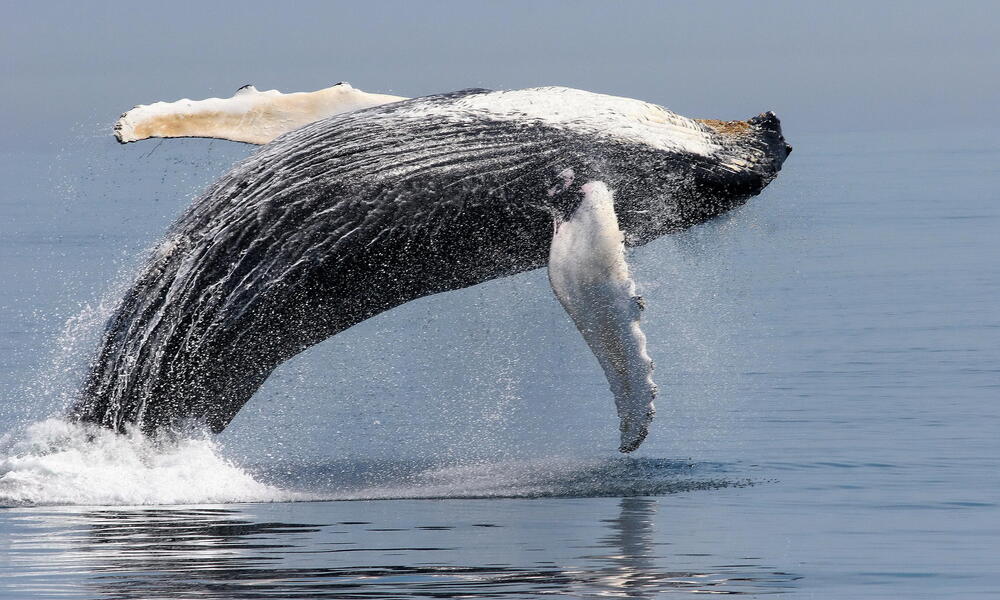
pixel 589 275
pixel 250 116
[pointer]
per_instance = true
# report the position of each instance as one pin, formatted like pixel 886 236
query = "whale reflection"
pixel 631 568
pixel 232 552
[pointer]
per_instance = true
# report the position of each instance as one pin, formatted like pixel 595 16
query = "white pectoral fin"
pixel 249 116
pixel 590 277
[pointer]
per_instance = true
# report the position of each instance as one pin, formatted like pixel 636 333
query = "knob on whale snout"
pixel 768 122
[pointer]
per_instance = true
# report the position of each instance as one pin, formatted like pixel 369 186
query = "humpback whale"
pixel 357 203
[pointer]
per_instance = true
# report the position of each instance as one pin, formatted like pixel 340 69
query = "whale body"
pixel 336 221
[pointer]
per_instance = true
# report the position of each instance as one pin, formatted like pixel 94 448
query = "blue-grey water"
pixel 828 427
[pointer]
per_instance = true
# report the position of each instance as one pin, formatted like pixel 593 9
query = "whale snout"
pixel 768 127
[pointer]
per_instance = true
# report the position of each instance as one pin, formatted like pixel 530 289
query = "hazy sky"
pixel 822 66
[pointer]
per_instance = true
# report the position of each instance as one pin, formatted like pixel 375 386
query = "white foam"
pixel 55 462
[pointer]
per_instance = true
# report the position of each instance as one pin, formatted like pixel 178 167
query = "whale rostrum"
pixel 357 203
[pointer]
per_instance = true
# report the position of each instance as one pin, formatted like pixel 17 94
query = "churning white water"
pixel 59 462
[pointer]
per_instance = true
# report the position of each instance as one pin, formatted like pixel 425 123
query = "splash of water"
pixel 539 477
pixel 552 477
pixel 54 462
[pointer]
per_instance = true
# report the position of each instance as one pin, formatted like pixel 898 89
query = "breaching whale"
pixel 359 202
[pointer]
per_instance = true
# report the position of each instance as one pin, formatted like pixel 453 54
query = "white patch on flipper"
pixel 250 116
pixel 590 277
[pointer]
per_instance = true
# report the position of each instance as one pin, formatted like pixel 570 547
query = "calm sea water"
pixel 828 426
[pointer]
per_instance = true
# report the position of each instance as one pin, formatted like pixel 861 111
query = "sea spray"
pixel 539 477
pixel 55 462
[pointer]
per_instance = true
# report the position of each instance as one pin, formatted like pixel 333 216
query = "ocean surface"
pixel 828 424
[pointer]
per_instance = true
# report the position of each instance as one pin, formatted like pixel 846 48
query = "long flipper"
pixel 589 275
pixel 249 116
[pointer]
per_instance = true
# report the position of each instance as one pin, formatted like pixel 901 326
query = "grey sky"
pixel 823 66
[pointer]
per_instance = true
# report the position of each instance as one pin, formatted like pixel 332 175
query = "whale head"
pixel 741 159
pixel 758 140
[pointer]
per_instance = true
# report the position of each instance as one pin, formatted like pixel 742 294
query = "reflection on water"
pixel 511 549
